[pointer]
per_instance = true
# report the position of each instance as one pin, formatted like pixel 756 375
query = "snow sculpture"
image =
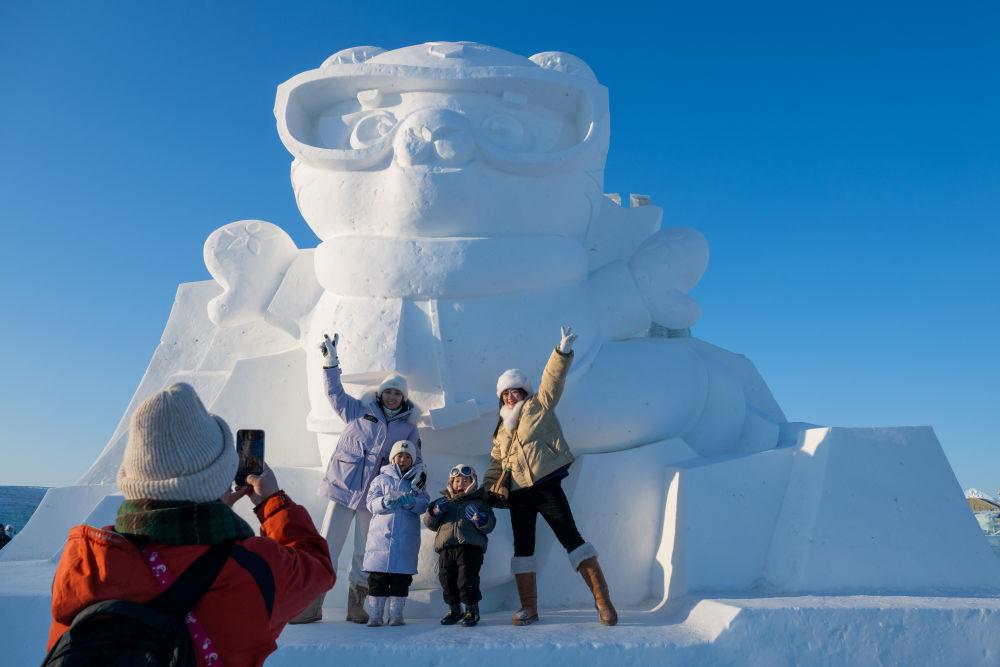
pixel 457 191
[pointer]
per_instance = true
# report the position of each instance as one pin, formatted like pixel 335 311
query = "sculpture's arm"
pixel 652 286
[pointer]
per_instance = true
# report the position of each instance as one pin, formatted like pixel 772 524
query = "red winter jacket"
pixel 290 565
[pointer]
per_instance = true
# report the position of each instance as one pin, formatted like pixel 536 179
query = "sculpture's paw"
pixel 666 267
pixel 248 258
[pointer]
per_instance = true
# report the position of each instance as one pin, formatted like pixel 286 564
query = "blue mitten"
pixel 390 502
pixel 407 500
pixel 475 516
pixel 439 507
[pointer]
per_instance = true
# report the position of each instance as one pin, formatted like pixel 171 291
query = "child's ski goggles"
pixel 463 470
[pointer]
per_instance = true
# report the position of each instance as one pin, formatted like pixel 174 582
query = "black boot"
pixel 453 616
pixel 471 615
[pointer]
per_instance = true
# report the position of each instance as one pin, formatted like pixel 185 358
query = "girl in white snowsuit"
pixel 396 500
pixel 462 518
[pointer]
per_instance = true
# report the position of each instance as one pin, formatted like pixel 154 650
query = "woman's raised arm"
pixel 556 369
pixel 345 405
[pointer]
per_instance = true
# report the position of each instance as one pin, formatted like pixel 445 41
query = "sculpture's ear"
pixel 353 55
pixel 561 61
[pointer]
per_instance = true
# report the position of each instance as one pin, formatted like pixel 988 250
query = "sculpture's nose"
pixel 435 137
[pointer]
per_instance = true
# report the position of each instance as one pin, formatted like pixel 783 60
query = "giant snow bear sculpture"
pixel 457 192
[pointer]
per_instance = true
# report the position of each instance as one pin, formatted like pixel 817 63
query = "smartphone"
pixel 250 447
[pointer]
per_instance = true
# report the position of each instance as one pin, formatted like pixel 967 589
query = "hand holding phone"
pixel 250 447
pixel 262 486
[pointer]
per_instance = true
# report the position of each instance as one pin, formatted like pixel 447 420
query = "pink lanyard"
pixel 202 642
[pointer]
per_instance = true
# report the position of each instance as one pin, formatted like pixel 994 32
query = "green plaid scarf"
pixel 173 522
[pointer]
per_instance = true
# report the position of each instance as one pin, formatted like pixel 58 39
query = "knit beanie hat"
pixel 403 447
pixel 513 378
pixel 392 381
pixel 176 450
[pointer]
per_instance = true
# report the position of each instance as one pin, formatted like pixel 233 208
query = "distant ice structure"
pixel 457 190
pixel 976 493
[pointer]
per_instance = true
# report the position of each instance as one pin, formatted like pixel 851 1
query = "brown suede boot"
pixel 527 590
pixel 590 569
pixel 356 596
pixel 312 613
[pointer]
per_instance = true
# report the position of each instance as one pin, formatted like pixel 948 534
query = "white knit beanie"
pixel 513 378
pixel 176 450
pixel 393 381
pixel 403 447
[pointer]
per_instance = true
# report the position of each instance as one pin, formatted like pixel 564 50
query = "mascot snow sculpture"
pixel 457 191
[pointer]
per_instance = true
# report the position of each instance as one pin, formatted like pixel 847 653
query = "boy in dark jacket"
pixel 462 518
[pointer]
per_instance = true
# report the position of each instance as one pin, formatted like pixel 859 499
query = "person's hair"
pixel 499 417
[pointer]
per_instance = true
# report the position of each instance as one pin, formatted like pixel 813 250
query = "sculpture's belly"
pixel 451 350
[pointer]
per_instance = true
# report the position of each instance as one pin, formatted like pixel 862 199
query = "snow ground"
pixel 813 630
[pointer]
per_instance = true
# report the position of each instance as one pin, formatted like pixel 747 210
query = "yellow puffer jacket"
pixel 537 446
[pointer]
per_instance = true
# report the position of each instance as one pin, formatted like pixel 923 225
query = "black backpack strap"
pixel 261 572
pixel 194 581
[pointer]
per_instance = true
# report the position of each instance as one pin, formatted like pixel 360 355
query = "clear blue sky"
pixel 843 161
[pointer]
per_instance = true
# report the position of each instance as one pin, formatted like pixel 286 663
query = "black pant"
pixel 548 500
pixel 389 584
pixel 458 572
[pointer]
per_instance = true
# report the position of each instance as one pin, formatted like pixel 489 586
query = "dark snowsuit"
pixel 460 544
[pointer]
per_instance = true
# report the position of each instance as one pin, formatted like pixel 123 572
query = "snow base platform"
pixel 802 630
pixel 852 630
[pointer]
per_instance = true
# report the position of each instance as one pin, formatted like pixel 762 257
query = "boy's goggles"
pixel 463 470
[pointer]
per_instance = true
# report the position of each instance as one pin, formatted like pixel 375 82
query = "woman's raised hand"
pixel 566 343
pixel 329 349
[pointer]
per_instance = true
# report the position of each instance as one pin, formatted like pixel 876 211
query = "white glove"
pixel 566 344
pixel 329 349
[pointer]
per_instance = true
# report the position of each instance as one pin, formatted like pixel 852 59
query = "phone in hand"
pixel 250 447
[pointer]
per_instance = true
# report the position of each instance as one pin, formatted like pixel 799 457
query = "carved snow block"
pixel 877 510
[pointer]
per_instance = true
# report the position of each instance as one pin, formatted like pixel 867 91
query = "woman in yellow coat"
pixel 529 443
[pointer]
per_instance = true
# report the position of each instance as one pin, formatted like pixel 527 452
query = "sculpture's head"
pixel 445 139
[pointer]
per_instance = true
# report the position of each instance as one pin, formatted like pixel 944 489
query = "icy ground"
pixel 844 630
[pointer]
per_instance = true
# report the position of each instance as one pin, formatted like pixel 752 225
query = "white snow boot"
pixel 396 611
pixel 377 605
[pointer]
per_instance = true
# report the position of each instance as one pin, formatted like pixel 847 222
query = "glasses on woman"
pixel 464 471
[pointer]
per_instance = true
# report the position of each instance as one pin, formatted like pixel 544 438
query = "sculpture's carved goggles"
pixel 517 119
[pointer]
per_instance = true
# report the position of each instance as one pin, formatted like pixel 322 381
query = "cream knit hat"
pixel 176 450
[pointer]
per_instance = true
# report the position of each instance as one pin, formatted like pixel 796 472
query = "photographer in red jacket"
pixel 176 477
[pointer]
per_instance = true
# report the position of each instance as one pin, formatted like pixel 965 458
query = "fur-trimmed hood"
pixel 410 409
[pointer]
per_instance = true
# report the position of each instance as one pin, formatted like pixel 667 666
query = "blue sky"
pixel 842 160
